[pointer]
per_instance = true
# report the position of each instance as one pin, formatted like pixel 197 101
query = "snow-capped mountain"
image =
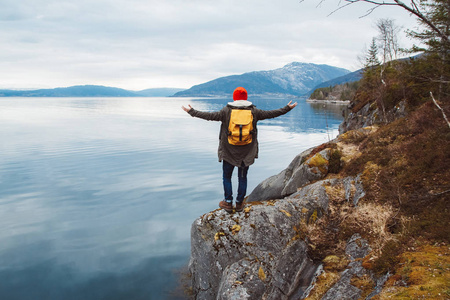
pixel 293 79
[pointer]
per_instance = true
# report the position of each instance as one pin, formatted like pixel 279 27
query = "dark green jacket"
pixel 238 155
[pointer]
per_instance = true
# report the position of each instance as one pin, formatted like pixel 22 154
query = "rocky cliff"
pixel 364 216
pixel 370 115
pixel 262 252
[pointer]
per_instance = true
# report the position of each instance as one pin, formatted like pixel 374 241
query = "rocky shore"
pixel 353 218
pixel 262 252
pixel 329 101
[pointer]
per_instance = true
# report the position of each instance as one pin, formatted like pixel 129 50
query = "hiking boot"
pixel 228 207
pixel 240 206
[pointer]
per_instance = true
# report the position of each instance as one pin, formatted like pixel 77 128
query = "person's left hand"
pixel 292 105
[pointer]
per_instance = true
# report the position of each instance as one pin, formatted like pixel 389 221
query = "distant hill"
pixel 295 79
pixel 73 91
pixel 159 92
pixel 347 78
pixel 352 77
pixel 89 91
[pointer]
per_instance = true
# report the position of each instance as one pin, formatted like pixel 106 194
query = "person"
pixel 240 156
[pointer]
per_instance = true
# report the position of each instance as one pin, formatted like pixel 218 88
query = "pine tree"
pixel 372 56
pixel 437 45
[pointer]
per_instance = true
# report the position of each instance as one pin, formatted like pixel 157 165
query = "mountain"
pixel 293 79
pixel 73 91
pixel 159 92
pixel 89 91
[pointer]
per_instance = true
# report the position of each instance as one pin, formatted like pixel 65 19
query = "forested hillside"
pixel 404 165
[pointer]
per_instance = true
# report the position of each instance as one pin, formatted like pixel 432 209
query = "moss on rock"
pixel 319 162
pixel 423 273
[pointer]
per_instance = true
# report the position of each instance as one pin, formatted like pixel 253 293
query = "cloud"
pixel 139 44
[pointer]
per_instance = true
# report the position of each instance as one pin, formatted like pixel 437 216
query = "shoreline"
pixel 328 101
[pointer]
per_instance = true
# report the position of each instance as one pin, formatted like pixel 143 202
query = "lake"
pixel 97 195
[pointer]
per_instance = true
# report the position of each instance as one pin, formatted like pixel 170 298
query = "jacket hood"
pixel 240 103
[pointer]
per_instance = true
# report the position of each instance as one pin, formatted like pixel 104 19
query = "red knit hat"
pixel 239 94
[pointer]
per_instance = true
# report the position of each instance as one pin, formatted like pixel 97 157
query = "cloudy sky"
pixel 139 44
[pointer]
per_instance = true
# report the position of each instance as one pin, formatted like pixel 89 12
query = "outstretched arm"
pixel 269 114
pixel 210 116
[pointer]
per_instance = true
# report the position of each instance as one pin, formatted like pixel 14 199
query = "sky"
pixel 140 44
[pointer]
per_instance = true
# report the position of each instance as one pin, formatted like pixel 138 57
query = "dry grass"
pixel 364 283
pixel 370 220
pixel 349 151
pixel 405 168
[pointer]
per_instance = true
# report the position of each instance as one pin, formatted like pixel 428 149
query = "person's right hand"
pixel 292 105
pixel 187 109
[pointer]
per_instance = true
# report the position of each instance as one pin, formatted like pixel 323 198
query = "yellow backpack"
pixel 240 128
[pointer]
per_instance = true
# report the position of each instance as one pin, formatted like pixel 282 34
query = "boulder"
pixel 314 195
pixel 300 172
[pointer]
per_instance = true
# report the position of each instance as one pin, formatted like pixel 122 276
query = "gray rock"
pixel 370 115
pixel 299 173
pixel 379 285
pixel 258 253
pixel 269 189
pixel 315 195
pixel 240 281
pixel 316 274
pixel 255 254
pixel 292 272
pixel 357 247
pixel 366 116
pixel 272 187
pixel 354 189
pixel 343 289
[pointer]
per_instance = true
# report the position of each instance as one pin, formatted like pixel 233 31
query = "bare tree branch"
pixel 368 12
pixel 339 8
pixel 415 5
pixel 413 9
pixel 443 113
pixel 441 193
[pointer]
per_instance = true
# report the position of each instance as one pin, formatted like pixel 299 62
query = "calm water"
pixel 97 195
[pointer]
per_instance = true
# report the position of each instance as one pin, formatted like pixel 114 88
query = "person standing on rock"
pixel 238 140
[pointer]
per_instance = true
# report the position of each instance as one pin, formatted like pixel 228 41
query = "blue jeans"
pixel 242 180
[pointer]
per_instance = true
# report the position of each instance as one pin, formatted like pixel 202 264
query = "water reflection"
pixel 50 280
pixel 336 110
pixel 97 195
